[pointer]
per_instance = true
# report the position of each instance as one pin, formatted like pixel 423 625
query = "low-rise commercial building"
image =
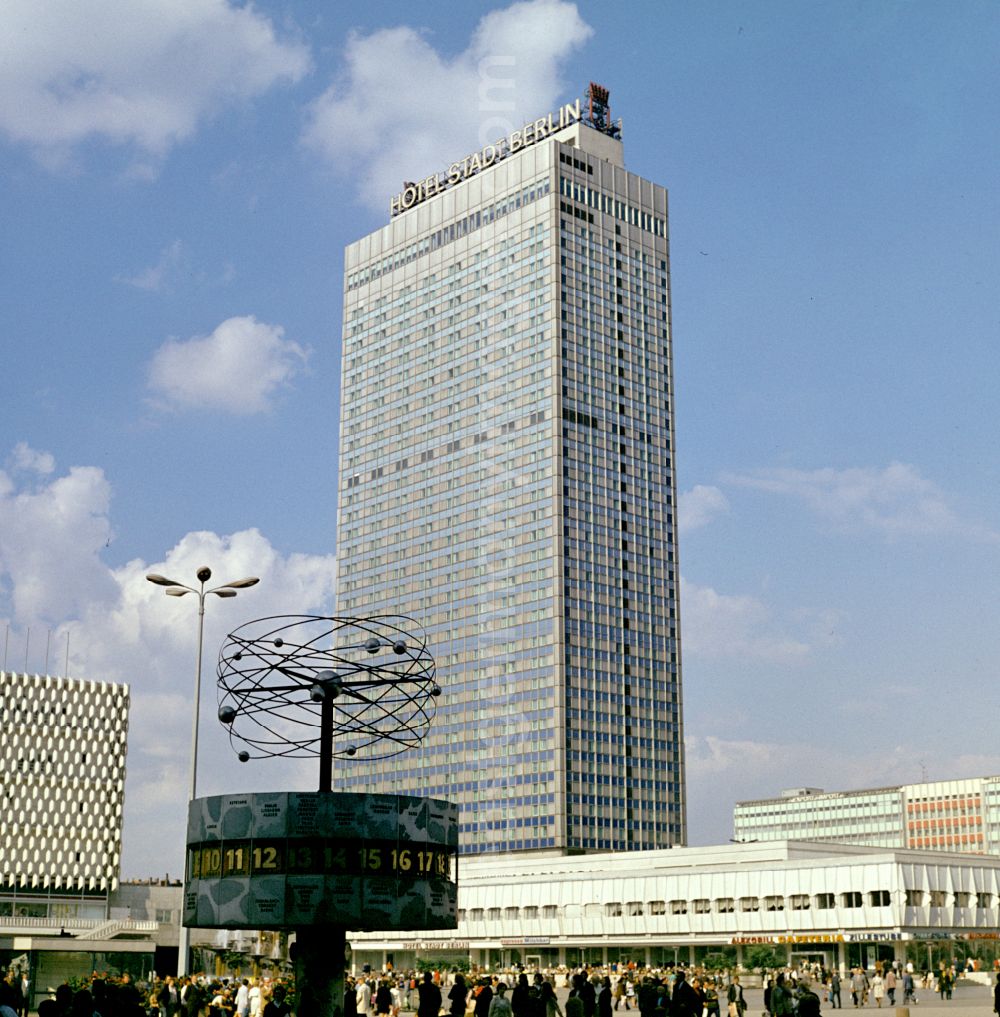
pixel 835 904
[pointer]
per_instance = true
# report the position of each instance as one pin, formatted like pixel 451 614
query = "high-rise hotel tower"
pixel 506 479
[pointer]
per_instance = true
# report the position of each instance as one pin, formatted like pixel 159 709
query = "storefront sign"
pixel 430 944
pixel 532 132
pixel 813 937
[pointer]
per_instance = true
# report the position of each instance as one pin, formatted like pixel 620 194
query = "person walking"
pixel 457 996
pixel 604 998
pixel 429 997
pixel 735 1003
pixel 684 1001
pixel 619 992
pixel 500 1004
pixel 781 998
pixel 243 999
pixel 859 987
pixel 835 990
pixel 484 996
pixel 878 989
pixel 520 998
pixel 549 1001
pixel 383 998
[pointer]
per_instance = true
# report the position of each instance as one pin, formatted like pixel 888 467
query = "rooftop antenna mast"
pixel 599 111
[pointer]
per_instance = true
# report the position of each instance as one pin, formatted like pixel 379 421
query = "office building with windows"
pixel 940 815
pixel 506 480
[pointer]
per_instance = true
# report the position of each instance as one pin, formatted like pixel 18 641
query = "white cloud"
pixel 896 501
pixel 26 458
pixel 238 368
pixel 402 109
pixel 50 541
pixel 143 73
pixel 121 628
pixel 715 625
pixel 156 278
pixel 699 506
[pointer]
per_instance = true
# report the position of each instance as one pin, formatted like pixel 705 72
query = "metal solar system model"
pixel 320 863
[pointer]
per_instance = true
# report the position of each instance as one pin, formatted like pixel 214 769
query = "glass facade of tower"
pixel 506 480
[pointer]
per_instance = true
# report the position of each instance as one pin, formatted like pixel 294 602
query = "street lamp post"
pixel 176 589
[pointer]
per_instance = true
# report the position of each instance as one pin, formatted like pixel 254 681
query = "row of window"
pixel 612 206
pixel 728 905
pixel 448 234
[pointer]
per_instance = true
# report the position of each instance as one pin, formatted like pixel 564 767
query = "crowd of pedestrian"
pixel 103 995
pixel 672 991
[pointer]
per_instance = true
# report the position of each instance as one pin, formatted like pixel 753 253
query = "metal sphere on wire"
pixel 372 678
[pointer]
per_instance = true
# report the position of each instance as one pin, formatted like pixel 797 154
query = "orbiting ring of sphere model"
pixel 340 687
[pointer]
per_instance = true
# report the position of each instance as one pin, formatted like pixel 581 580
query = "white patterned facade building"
pixel 62 773
pixel 941 815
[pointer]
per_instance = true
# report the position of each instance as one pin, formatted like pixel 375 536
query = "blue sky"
pixel 180 180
